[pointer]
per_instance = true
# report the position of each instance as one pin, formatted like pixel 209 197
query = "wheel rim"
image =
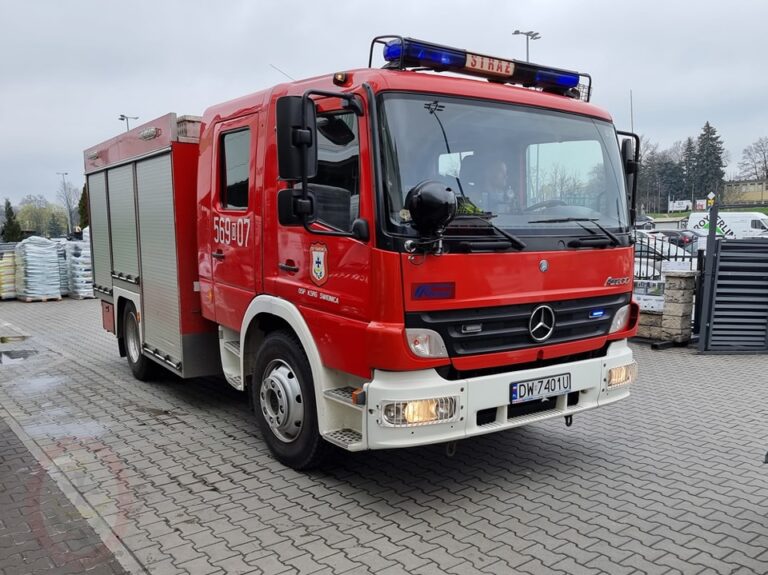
pixel 281 401
pixel 132 338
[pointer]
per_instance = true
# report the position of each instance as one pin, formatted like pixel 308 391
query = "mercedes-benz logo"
pixel 542 323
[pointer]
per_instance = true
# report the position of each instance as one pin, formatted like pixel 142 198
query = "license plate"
pixel 549 386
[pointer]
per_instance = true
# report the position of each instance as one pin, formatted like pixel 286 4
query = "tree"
pixel 33 214
pixel 754 161
pixel 11 229
pixel 55 229
pixel 689 169
pixel 67 195
pixel 82 207
pixel 710 161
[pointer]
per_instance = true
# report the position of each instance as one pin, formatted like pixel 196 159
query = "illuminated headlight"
pixel 420 411
pixel 425 342
pixel 621 319
pixel 622 375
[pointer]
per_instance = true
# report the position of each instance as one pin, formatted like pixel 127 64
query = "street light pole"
pixel 64 191
pixel 529 35
pixel 124 118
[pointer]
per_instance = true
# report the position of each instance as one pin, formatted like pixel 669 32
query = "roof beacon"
pixel 403 53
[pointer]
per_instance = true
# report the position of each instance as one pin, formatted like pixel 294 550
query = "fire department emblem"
pixel 319 273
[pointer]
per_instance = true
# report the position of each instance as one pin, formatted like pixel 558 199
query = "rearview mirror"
pixel 296 138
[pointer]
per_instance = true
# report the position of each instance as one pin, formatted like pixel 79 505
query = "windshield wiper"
pixel 514 240
pixel 615 241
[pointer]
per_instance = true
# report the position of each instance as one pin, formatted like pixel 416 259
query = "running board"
pixel 348 439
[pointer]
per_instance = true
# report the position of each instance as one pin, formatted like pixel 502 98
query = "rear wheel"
pixel 141 367
pixel 283 399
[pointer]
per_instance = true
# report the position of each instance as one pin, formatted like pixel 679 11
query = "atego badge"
pixel 319 273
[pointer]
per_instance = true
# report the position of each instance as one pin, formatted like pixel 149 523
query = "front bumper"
pixel 484 402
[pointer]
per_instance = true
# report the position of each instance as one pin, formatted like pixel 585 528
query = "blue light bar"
pixel 596 313
pixel 557 78
pixel 404 53
pixel 416 53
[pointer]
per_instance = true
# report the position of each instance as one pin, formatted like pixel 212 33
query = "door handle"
pixel 289 266
pixel 219 255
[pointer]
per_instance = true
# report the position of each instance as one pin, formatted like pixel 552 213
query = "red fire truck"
pixel 383 257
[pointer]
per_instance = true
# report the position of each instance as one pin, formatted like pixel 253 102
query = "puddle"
pixel 12 338
pixel 15 356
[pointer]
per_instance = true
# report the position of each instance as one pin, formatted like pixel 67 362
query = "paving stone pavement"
pixel 40 530
pixel 669 481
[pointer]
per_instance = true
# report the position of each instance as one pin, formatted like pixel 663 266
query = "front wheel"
pixel 283 399
pixel 141 367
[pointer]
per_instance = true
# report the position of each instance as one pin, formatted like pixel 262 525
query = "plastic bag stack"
pixel 80 269
pixel 37 269
pixel 61 249
pixel 7 271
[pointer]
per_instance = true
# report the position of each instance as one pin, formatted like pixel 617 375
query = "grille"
pixel 495 329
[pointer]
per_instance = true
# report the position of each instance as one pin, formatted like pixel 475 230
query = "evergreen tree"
pixel 55 229
pixel 709 162
pixel 12 229
pixel 82 208
pixel 689 169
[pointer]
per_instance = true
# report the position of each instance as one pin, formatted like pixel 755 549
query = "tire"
pixel 141 367
pixel 283 399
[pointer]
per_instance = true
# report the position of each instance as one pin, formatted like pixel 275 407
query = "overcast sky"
pixel 69 68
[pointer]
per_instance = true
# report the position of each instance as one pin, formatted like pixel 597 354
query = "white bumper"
pixel 489 395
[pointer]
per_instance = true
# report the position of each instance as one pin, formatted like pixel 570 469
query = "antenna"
pixel 283 73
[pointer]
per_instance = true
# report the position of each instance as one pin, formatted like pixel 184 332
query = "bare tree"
pixel 754 162
pixel 69 196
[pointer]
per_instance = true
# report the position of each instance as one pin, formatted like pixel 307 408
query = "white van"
pixel 732 225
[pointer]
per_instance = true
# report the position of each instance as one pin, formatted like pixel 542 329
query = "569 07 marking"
pixel 231 231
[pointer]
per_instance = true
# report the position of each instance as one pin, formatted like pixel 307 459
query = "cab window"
pixel 234 169
pixel 336 186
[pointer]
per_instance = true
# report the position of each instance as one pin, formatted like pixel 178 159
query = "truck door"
pixel 235 217
pixel 329 276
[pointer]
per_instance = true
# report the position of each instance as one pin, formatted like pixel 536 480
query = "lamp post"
pixel 529 35
pixel 124 118
pixel 64 192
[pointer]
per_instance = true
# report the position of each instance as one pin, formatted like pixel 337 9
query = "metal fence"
pixel 656 254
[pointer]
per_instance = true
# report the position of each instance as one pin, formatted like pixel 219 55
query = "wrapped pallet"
pixel 61 249
pixel 80 269
pixel 7 271
pixel 37 270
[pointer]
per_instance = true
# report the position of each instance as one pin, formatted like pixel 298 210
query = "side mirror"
pixel 630 156
pixel 296 138
pixel 432 207
pixel 293 208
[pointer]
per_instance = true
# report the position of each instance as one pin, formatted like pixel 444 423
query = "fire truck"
pixel 384 257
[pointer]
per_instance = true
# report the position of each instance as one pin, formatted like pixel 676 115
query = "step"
pixel 232 347
pixel 342 395
pixel 348 439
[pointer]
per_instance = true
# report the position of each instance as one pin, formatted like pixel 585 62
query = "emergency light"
pixel 403 53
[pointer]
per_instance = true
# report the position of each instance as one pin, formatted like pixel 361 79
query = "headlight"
pixel 621 319
pixel 622 375
pixel 425 342
pixel 420 411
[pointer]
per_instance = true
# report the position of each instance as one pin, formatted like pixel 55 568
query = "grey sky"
pixel 69 68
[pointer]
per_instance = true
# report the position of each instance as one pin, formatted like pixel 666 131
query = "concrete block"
pixel 678 296
pixel 678 310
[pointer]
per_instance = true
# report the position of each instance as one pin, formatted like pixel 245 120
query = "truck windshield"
pixel 529 171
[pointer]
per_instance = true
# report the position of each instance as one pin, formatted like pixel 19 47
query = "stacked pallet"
pixel 37 270
pixel 7 271
pixel 80 269
pixel 61 250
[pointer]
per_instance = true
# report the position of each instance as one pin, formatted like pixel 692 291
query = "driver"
pixel 497 195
